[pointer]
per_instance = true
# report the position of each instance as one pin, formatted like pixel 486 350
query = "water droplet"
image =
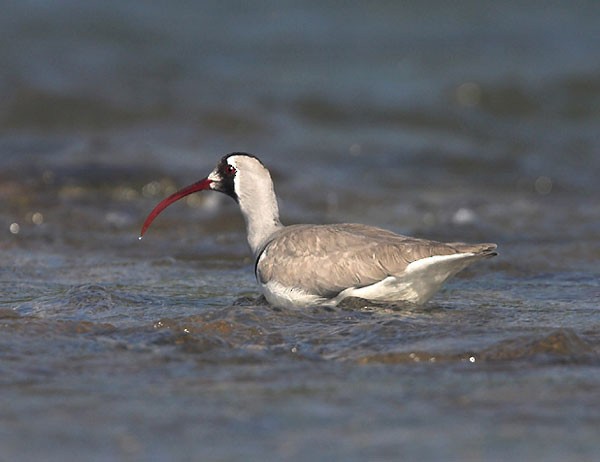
pixel 14 228
pixel 472 359
pixel 37 218
pixel 151 189
pixel 464 216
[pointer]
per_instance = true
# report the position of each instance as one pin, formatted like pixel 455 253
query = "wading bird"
pixel 304 265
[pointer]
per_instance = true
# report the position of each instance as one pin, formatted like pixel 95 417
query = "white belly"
pixel 292 297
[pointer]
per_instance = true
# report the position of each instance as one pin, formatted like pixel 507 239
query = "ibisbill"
pixel 305 265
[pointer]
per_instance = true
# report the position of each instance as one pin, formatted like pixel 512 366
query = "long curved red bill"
pixel 199 186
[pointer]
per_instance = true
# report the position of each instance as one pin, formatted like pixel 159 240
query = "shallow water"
pixel 476 122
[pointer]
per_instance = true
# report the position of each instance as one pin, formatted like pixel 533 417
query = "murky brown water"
pixel 450 123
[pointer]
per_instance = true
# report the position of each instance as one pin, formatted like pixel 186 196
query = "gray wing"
pixel 326 259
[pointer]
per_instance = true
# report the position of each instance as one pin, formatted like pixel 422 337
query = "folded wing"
pixel 327 259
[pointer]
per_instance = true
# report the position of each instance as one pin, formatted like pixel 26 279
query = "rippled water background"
pixel 469 120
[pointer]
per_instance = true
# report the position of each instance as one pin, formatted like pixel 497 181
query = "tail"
pixel 485 250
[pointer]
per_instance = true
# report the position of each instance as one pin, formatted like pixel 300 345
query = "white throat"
pixel 256 196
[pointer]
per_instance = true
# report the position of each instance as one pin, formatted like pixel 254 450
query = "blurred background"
pixel 467 120
pixel 422 95
pixel 100 99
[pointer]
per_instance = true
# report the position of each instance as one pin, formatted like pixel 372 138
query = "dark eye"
pixel 230 170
